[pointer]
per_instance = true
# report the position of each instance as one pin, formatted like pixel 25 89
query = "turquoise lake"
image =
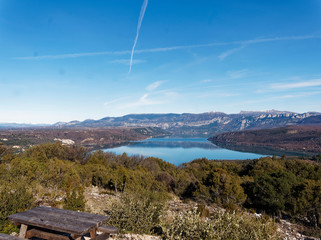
pixel 181 150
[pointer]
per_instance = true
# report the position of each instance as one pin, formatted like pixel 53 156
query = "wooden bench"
pixel 8 237
pixel 59 224
pixel 108 229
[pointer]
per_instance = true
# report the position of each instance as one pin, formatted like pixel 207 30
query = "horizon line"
pixel 240 112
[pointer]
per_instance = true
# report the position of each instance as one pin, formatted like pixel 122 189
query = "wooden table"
pixel 49 223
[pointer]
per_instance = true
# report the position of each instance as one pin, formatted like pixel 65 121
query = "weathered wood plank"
pixel 45 235
pixel 71 214
pixel 55 225
pixel 103 236
pixel 66 214
pixel 107 229
pixel 8 237
pixel 93 233
pixel 23 230
pixel 57 218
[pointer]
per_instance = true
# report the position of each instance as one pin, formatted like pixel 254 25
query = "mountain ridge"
pixel 196 124
pixel 201 124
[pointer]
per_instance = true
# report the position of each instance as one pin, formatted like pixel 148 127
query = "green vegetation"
pixel 137 212
pixel 221 225
pixel 58 175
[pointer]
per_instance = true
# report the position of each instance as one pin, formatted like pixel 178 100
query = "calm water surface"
pixel 180 150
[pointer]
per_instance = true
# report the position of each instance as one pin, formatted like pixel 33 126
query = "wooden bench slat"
pixel 103 236
pixel 45 235
pixel 52 225
pixel 107 229
pixel 47 216
pixel 8 237
pixel 70 214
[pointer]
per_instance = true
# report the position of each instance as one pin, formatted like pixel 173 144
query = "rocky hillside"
pixel 294 138
pixel 20 139
pixel 200 125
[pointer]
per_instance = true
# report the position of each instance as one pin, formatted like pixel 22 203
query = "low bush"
pixel 222 225
pixel 14 197
pixel 137 212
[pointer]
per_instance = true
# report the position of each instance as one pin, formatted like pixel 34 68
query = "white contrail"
pixel 166 49
pixel 140 20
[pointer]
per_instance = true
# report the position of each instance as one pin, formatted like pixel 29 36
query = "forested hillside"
pixel 57 175
pixel 21 139
pixel 304 139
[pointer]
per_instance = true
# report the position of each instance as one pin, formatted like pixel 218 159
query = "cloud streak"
pixel 112 102
pixel 154 85
pixel 311 83
pixel 127 61
pixel 144 100
pixel 173 48
pixel 230 52
pixel 262 40
pixel 238 74
pixel 140 20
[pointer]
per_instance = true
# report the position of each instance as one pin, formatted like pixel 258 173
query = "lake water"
pixel 180 150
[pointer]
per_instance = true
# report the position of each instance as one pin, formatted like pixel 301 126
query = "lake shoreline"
pixel 180 150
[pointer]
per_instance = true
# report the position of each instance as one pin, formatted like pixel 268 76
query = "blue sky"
pixel 63 60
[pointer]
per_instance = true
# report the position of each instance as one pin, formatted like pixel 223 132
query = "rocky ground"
pixel 97 201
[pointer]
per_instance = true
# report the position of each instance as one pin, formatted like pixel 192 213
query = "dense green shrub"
pixel 137 212
pixel 14 197
pixel 75 200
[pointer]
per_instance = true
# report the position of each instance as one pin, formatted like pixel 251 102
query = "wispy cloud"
pixel 229 52
pixel 140 20
pixel 154 85
pixel 73 55
pixel 115 101
pixel 173 48
pixel 127 61
pixel 206 81
pixel 274 39
pixel 144 100
pixel 277 98
pixel 237 74
pixel 311 83
pixel 245 43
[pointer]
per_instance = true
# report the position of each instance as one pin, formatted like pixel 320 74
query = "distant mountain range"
pixel 203 124
pixel 22 125
pixel 200 125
